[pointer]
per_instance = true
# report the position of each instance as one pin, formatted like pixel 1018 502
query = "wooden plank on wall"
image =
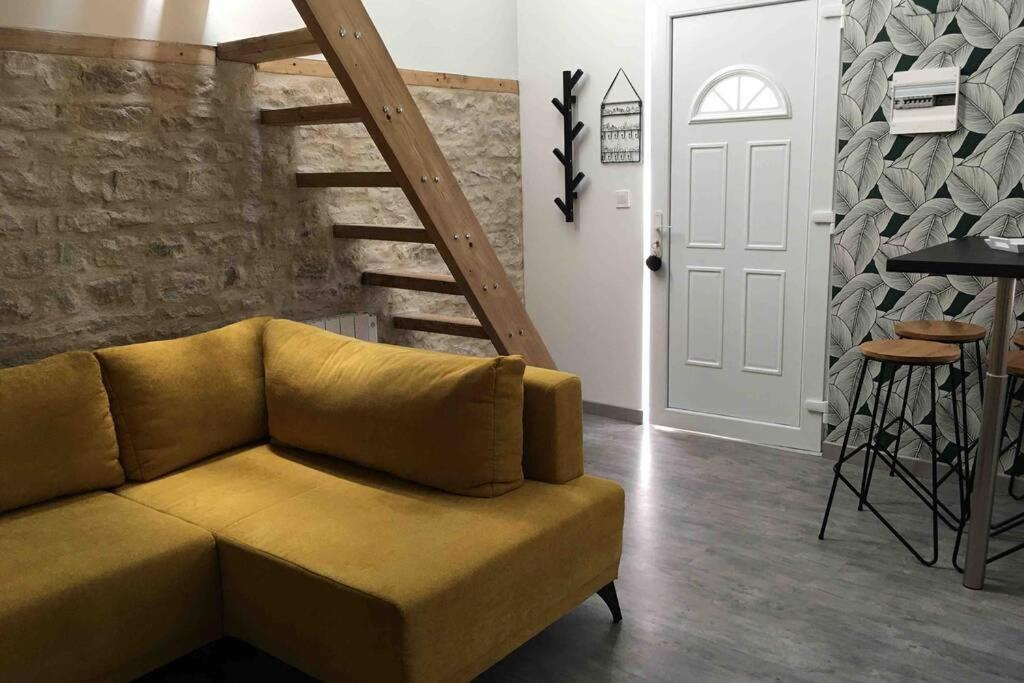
pixel 434 79
pixel 80 45
pixel 437 79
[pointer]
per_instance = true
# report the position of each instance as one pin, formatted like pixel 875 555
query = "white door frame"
pixel 660 17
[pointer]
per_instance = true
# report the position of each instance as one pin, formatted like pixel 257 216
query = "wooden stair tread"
pixel 948 331
pixel 342 112
pixel 347 179
pixel 913 351
pixel 1018 339
pixel 441 324
pixel 383 233
pixel 420 282
pixel 297 43
pixel 371 80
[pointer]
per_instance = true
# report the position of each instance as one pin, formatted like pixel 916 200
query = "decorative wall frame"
pixel 621 122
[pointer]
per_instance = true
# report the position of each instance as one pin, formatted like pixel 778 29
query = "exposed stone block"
pixel 143 184
pixel 141 200
pixel 181 286
pixel 114 291
pixel 115 117
pixel 111 77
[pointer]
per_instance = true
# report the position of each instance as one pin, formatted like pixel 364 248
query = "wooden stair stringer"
pixel 374 84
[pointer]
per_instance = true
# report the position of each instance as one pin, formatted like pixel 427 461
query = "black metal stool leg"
pixel 842 453
pixel 963 395
pixel 903 419
pixel 1015 445
pixel 1006 414
pixel 935 470
pixel 981 370
pixel 881 422
pixel 871 445
pixel 961 449
pixel 1016 452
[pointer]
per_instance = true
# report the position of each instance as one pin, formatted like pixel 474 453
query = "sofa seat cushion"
pixel 222 490
pixel 352 575
pixel 56 433
pixel 97 587
pixel 178 401
pixel 447 421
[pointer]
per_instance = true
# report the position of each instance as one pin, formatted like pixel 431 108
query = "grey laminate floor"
pixel 723 579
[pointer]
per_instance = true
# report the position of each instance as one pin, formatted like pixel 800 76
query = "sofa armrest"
pixel 552 426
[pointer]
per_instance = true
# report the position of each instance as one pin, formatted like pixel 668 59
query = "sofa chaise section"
pixel 97 587
pixel 354 575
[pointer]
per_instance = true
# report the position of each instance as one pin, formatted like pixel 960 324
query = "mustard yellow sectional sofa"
pixel 361 511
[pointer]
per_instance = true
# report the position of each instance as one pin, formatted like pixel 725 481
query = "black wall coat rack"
pixel 566 106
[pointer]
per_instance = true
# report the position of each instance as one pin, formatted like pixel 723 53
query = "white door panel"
pixel 742 118
pixel 707 196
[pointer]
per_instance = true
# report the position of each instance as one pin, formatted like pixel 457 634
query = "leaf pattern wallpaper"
pixel 901 193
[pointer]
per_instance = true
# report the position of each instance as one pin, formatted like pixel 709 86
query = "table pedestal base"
pixel 991 431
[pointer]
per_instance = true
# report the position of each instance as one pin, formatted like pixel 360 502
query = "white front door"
pixel 742 122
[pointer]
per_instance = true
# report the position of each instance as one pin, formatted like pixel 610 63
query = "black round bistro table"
pixel 972 256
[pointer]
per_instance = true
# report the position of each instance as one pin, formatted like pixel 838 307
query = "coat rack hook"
pixel 571 130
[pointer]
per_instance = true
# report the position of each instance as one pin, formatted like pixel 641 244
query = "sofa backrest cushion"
pixel 56 434
pixel 450 422
pixel 179 401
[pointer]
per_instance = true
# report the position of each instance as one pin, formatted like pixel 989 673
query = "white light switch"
pixel 623 200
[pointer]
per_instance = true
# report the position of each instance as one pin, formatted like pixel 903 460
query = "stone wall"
pixel 142 200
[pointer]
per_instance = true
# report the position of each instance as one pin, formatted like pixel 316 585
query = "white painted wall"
pixel 584 282
pixel 475 37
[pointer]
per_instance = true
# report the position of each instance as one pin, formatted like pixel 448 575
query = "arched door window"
pixel 739 92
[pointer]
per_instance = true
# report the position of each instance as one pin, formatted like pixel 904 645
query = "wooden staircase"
pixel 342 31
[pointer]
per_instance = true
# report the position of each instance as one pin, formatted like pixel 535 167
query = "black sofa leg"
pixel 611 599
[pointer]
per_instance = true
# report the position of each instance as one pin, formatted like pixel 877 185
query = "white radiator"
pixel 359 325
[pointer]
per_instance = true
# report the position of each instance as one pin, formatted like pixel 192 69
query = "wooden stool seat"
pixel 1015 363
pixel 947 331
pixel 910 351
pixel 1018 339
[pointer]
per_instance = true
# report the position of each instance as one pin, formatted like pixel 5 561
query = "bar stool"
pixel 959 334
pixel 951 332
pixel 893 354
pixel 1015 369
pixel 1017 468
